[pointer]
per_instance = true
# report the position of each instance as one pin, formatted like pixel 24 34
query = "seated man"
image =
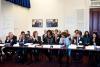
pixel 10 41
pixel 77 40
pixel 22 53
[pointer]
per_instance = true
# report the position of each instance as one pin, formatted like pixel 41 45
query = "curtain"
pixel 23 3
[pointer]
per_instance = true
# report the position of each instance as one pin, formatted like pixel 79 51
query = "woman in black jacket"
pixel 49 39
pixel 86 38
pixel 96 42
pixel 95 39
pixel 36 38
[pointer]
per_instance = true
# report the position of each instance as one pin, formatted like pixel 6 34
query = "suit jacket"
pixel 49 40
pixel 21 42
pixel 44 38
pixel 12 41
pixel 37 41
pixel 28 40
pixel 79 40
pixel 97 41
pixel 86 40
pixel 7 41
pixel 56 40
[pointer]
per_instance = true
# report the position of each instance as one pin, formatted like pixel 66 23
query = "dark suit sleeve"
pixel 15 39
pixel 39 39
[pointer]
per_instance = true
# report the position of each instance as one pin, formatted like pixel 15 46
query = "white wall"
pixel 72 14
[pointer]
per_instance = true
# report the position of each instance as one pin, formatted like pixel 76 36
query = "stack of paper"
pixel 72 46
pixel 89 47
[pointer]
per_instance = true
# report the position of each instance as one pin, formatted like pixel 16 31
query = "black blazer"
pixel 12 41
pixel 56 41
pixel 49 40
pixel 7 41
pixel 77 41
pixel 97 41
pixel 28 40
pixel 44 38
pixel 38 41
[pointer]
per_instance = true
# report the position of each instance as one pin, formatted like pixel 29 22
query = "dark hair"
pixel 95 34
pixel 64 34
pixel 75 31
pixel 50 32
pixel 22 32
pixel 80 33
pixel 28 31
pixel 85 33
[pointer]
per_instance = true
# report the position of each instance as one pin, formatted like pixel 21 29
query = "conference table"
pixel 58 48
pixel 55 46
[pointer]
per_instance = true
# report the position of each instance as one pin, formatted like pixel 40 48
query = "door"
pixel 94 25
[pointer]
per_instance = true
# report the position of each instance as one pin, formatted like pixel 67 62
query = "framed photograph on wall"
pixel 37 23
pixel 52 22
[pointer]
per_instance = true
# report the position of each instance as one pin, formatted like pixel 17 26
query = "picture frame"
pixel 37 23
pixel 52 22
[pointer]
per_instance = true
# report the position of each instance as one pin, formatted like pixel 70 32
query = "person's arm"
pixel 39 40
pixel 14 40
pixel 67 41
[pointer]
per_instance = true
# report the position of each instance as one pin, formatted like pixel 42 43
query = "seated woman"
pixel 95 40
pixel 68 34
pixel 49 39
pixel 56 37
pixel 86 38
pixel 64 40
pixel 86 41
pixel 44 36
pixel 36 38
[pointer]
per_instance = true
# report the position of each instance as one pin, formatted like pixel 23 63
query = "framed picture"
pixel 52 22
pixel 37 23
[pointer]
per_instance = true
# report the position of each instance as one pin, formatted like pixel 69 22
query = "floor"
pixel 13 64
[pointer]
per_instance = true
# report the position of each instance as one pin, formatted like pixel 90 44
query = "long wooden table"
pixel 62 47
pixel 72 47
